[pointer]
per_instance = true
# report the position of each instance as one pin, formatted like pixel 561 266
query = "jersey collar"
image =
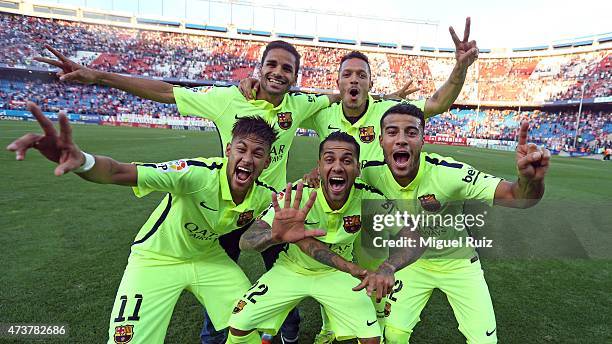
pixel 226 194
pixel 265 105
pixel 415 182
pixel 364 116
pixel 323 201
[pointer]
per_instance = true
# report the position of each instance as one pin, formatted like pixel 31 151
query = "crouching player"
pixel 177 248
pixel 320 267
pixel 440 185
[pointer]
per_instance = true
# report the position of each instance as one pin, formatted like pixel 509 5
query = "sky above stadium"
pixel 495 24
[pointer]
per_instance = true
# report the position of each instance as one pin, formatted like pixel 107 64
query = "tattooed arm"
pixel 258 237
pixel 400 257
pixel 287 224
pixel 466 52
pixel 383 278
pixel 323 254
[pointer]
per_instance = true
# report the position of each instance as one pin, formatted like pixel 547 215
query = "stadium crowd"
pixel 53 96
pixel 556 130
pixel 194 57
pixel 199 57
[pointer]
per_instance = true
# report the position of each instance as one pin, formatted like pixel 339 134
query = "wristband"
pixel 89 163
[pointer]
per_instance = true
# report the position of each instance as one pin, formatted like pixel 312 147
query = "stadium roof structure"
pixel 534 48
pixel 254 32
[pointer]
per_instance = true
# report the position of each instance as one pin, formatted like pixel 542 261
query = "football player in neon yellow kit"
pixel 442 185
pixel 178 247
pixel 310 266
pixel 280 63
pixel 359 114
pixel 273 102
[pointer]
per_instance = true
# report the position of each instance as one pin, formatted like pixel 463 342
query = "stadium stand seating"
pixel 200 57
pixel 186 56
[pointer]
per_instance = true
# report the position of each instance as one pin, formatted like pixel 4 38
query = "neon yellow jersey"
pixel 342 227
pixel 441 187
pixel 366 130
pixel 197 209
pixel 223 105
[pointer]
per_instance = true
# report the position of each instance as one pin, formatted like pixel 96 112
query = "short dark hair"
pixel 404 109
pixel 342 137
pixel 255 125
pixel 355 55
pixel 285 46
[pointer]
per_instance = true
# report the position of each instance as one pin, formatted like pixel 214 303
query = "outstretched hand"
pixel 531 161
pixel 57 148
pixel 466 52
pixel 288 223
pixel 71 71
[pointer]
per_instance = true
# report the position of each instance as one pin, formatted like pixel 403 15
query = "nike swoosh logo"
pixel 370 323
pixel 332 128
pixel 310 223
pixel 203 205
pixel 490 333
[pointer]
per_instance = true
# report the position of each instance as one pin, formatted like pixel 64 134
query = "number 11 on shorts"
pixel 134 316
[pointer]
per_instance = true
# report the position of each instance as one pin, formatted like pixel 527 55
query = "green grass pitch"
pixel 65 242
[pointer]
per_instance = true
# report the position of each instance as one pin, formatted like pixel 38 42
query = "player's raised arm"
pixel 62 150
pixel 287 226
pixel 532 165
pixel 155 90
pixel 466 52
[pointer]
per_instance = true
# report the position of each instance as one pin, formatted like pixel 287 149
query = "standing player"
pixel 280 63
pixel 440 185
pixel 310 266
pixel 178 247
pixel 358 114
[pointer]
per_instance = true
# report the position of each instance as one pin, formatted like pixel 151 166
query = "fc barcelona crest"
pixel 123 334
pixel 366 134
pixel 430 203
pixel 352 223
pixel 239 306
pixel 245 218
pixel 284 120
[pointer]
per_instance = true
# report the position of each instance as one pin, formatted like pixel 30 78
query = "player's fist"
pixel 249 88
pixel 70 70
pixel 531 161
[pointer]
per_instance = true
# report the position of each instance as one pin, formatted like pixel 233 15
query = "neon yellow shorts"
pixel 465 287
pixel 150 288
pixel 265 306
